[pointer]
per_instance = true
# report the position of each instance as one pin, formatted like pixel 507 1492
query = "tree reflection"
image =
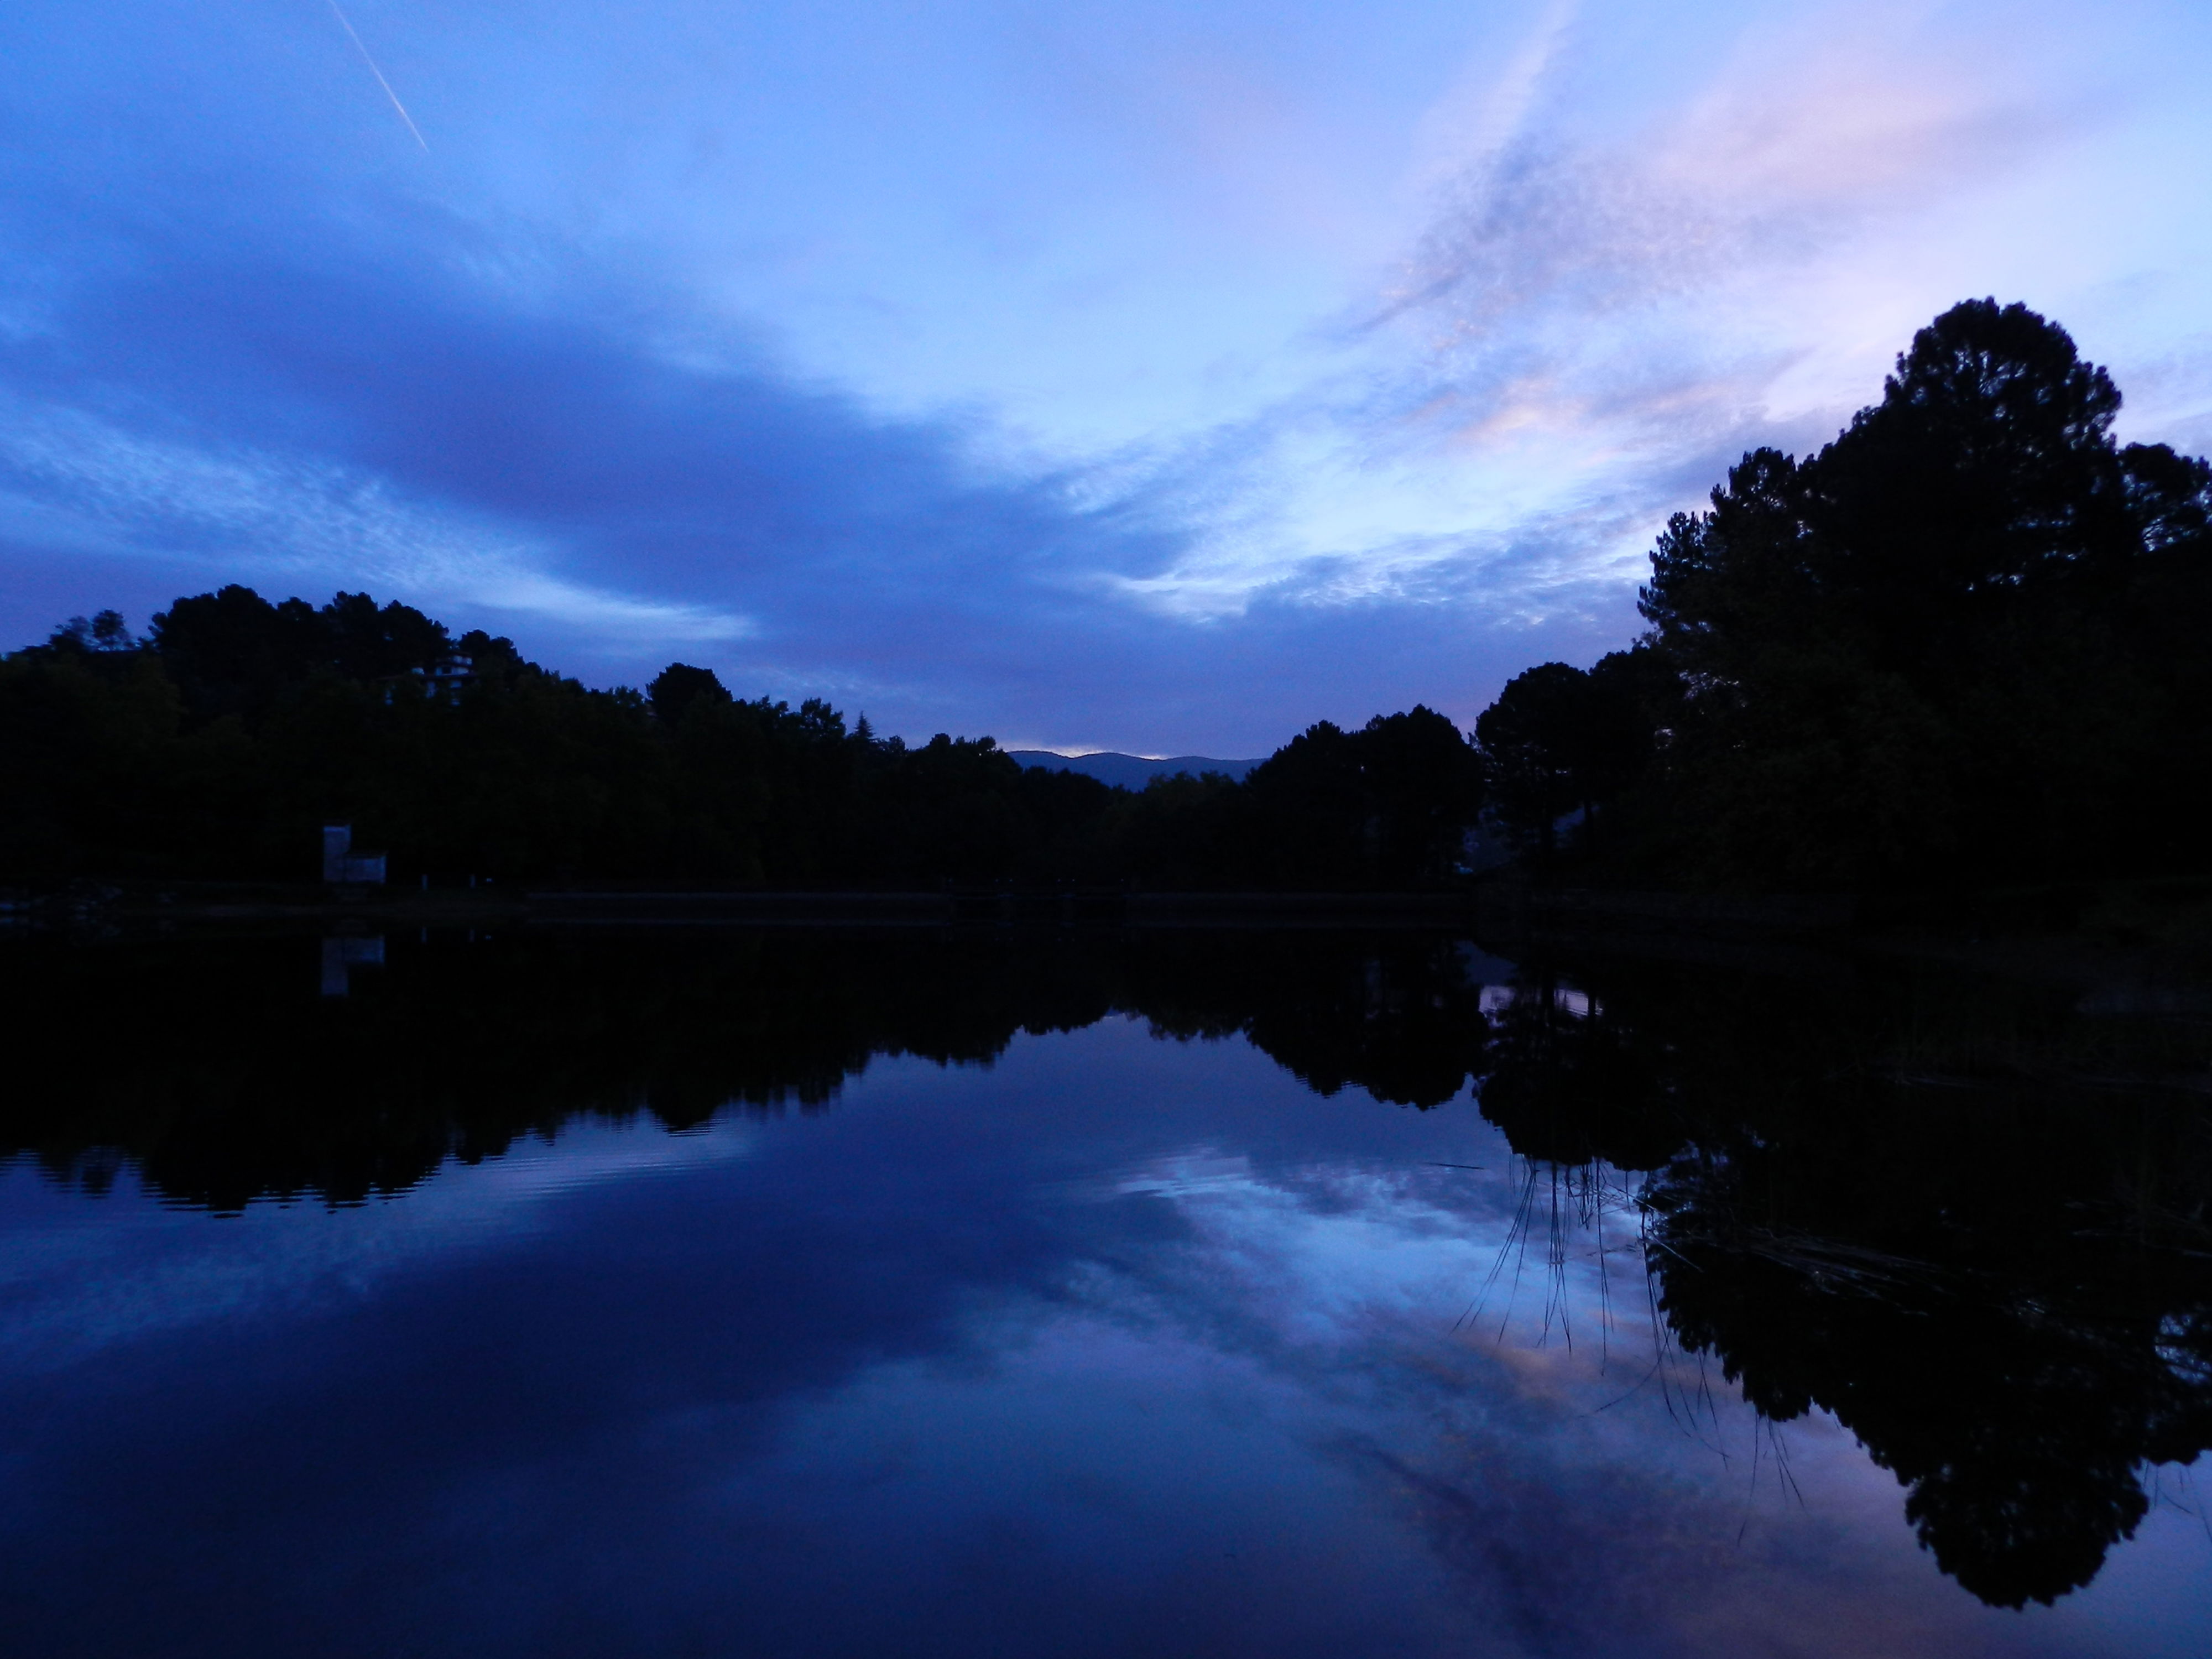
pixel 221 1072
pixel 1963 1216
pixel 1994 1275
pixel 2016 1411
pixel 1567 1078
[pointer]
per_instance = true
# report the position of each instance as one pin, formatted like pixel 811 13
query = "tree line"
pixel 216 746
pixel 1966 641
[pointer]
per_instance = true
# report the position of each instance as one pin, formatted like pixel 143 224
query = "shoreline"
pixel 2135 919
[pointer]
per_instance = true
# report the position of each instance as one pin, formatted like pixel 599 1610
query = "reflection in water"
pixel 235 1086
pixel 342 954
pixel 1967 1218
pixel 1993 1276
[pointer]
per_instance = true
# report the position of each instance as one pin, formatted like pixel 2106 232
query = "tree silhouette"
pixel 1950 646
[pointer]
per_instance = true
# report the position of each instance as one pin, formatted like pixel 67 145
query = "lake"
pixel 1012 1290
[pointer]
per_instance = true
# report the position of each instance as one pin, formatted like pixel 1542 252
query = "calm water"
pixel 845 1293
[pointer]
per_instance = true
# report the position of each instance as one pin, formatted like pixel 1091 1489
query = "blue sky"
pixel 1151 377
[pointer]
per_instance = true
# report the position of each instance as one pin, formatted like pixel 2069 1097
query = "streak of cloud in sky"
pixel 401 109
pixel 1144 376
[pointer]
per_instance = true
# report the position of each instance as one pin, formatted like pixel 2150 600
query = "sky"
pixel 1152 377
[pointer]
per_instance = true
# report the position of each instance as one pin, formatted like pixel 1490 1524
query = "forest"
pixel 1963 644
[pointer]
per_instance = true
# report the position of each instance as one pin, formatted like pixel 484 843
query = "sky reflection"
pixel 1114 1345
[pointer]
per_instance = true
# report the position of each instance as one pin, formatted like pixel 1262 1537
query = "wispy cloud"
pixel 1789 152
pixel 248 514
pixel 1599 314
pixel 1640 288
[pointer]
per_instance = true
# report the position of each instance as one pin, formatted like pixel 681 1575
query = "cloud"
pixel 1599 315
pixel 1800 141
pixel 80 481
pixel 332 401
pixel 1773 166
pixel 1604 311
pixel 363 415
pixel 259 338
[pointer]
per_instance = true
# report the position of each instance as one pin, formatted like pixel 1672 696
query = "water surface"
pixel 815 1292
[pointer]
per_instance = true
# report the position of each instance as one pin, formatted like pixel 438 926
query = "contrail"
pixel 378 74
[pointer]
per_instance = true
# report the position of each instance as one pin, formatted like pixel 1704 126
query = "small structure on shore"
pixel 442 681
pixel 341 866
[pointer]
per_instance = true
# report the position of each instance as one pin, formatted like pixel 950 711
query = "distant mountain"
pixel 1131 771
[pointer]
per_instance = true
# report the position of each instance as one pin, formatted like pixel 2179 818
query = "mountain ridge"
pixel 1130 771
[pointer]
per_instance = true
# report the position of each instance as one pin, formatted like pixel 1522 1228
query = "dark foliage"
pixel 1899 1199
pixel 1964 642
pixel 217 746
